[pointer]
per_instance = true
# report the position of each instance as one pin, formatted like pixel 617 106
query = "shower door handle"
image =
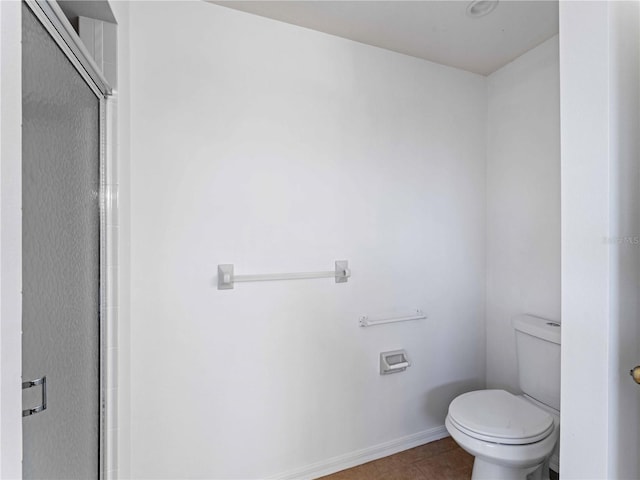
pixel 42 381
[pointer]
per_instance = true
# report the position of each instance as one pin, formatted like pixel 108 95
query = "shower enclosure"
pixel 62 203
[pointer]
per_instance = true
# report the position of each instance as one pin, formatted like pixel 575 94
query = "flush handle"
pixel 635 373
pixel 34 383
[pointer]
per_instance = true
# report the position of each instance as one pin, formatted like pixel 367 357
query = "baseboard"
pixel 352 459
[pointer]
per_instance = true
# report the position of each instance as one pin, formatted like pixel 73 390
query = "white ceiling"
pixel 439 31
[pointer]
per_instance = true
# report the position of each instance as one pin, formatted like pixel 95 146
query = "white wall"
pixel 523 202
pixel 282 149
pixel 599 53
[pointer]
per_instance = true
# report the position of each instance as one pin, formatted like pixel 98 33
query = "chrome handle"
pixel 34 383
pixel 635 373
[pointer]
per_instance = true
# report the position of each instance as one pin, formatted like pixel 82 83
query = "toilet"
pixel 514 437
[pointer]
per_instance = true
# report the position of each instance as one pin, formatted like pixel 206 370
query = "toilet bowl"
pixel 511 437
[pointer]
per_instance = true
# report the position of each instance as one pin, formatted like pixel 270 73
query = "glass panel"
pixel 61 261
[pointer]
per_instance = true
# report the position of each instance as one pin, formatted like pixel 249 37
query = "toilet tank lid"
pixel 539 327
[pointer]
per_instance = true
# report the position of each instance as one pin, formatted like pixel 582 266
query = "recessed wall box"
pixel 394 361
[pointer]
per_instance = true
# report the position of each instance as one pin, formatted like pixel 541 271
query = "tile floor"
pixel 440 460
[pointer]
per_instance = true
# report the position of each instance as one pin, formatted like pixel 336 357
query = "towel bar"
pixel 227 278
pixel 366 322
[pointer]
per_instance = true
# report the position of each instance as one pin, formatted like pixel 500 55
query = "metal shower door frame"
pixel 54 21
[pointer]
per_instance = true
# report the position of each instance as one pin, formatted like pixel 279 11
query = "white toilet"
pixel 513 437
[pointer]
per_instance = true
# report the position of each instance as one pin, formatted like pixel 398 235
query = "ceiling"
pixel 439 31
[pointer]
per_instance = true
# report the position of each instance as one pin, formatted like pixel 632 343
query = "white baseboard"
pixel 352 459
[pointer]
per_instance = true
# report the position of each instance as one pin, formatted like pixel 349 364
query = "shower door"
pixel 61 262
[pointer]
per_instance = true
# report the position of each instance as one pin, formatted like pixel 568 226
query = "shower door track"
pixel 54 20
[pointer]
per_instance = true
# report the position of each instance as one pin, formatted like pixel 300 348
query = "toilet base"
pixel 486 470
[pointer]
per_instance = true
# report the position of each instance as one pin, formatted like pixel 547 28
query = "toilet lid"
pixel 498 416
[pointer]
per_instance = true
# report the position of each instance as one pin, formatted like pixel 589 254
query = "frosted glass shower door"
pixel 61 262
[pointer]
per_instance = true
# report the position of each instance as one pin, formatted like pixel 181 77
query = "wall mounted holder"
pixel 227 278
pixel 394 361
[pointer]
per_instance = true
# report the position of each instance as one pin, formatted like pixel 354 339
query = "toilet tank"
pixel 538 353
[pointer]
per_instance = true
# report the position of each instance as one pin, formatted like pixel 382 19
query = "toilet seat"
pixel 498 416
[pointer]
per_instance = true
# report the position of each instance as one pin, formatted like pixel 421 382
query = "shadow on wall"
pixel 439 398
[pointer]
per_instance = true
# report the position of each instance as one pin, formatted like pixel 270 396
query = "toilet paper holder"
pixel 394 361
